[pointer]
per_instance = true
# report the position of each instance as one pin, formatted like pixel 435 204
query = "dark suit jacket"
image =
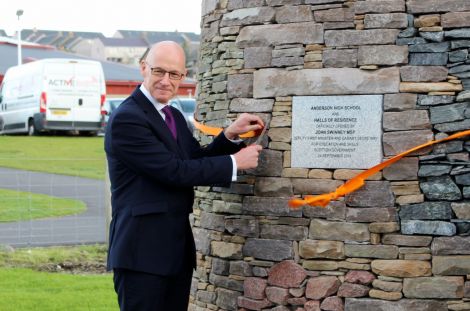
pixel 152 179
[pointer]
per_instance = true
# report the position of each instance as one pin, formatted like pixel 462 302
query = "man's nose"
pixel 166 78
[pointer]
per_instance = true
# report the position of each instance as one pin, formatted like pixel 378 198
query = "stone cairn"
pixel 399 243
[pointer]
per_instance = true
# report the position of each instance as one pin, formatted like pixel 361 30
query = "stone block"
pixel 248 16
pixel 373 193
pixel 397 142
pixel 247 227
pixel 278 34
pixel 286 274
pixel 327 81
pixel 428 59
pixel 202 240
pixel 294 233
pixel 226 282
pixel 375 293
pixel 455 20
pixel 456 245
pixel 269 164
pixel 251 105
pixel 340 58
pixel 448 113
pixel 293 14
pixel 368 304
pixel 257 57
pixel 273 187
pixel 406 240
pixel 401 268
pixel 252 304
pixel 254 288
pixel 227 299
pixel 451 265
pixel 338 231
pixel 220 266
pixel 321 249
pixel 332 303
pixel 350 290
pixel 359 277
pixel 371 214
pixel 275 250
pixel 212 221
pixel 387 286
pixel 406 120
pixel 226 250
pixel 405 169
pixel 426 211
pixel 277 295
pixel 428 227
pixel 431 100
pixel 334 15
pixel 382 55
pixel 315 186
pixel 390 20
pixel 400 101
pixel 336 210
pixel 450 287
pixel 430 47
pixel 268 207
pixel 322 287
pixel 379 6
pixel 384 227
pixel 432 6
pixel 423 73
pixel 371 251
pixel 345 38
pixel 241 268
pixel 461 210
pixel 441 188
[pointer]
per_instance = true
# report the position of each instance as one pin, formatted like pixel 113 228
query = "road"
pixel 88 227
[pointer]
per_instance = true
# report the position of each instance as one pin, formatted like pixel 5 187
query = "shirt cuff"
pixel 234 168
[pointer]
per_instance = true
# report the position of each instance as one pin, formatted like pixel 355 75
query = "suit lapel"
pixel 155 120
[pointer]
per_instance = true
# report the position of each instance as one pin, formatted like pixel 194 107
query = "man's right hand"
pixel 248 157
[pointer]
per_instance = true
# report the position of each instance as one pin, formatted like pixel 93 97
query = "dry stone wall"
pixel 399 243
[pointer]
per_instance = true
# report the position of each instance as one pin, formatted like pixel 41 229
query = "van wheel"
pixel 31 128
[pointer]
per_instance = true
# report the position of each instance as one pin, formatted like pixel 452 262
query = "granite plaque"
pixel 337 131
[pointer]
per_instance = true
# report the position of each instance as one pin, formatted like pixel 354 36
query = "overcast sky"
pixel 104 16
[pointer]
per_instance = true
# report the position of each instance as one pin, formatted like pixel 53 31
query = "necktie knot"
pixel 169 120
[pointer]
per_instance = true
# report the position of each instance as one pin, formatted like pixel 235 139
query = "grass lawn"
pixel 24 288
pixel 27 290
pixel 18 205
pixel 67 155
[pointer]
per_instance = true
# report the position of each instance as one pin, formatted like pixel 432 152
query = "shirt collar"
pixel 155 103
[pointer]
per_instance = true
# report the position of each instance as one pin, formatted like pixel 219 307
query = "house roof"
pixel 124 42
pixel 157 36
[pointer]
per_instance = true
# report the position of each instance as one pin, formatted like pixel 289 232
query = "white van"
pixel 53 94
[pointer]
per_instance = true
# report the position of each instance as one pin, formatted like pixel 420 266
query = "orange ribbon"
pixel 358 181
pixel 214 131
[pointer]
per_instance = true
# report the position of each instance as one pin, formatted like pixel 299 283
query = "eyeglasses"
pixel 159 72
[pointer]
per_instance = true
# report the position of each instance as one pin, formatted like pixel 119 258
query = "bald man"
pixel 154 162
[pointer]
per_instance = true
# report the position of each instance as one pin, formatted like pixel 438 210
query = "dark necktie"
pixel 169 120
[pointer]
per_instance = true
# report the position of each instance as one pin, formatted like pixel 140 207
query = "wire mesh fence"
pixel 41 208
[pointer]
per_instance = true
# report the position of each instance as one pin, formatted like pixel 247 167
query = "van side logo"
pixel 62 82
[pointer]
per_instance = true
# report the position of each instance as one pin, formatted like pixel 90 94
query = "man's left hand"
pixel 244 123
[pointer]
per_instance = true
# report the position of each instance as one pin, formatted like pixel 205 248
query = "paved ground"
pixel 88 227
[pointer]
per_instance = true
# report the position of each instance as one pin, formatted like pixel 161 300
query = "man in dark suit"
pixel 154 162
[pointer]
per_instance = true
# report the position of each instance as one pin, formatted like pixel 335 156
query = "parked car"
pixel 187 106
pixel 109 106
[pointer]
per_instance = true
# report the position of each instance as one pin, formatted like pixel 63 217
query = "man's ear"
pixel 143 66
